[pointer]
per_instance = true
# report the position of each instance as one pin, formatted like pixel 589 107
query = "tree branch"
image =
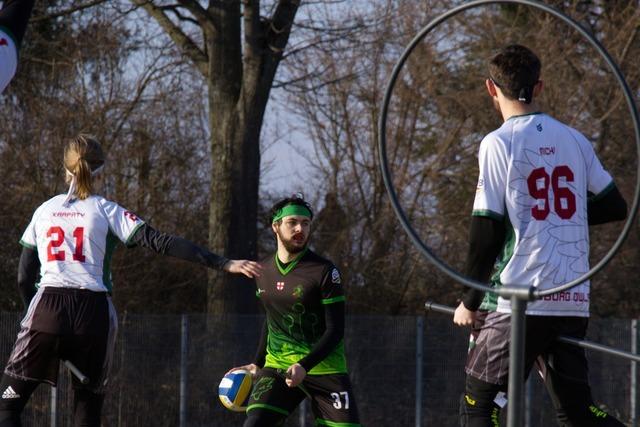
pixel 183 41
pixel 68 11
pixel 197 10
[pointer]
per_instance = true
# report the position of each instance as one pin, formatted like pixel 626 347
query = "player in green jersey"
pixel 301 350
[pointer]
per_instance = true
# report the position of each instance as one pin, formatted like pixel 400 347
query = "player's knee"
pixel 87 408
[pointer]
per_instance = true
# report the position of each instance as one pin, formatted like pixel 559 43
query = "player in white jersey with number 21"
pixel 68 244
pixel 540 187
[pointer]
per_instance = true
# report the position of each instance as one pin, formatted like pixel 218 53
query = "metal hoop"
pixel 382 146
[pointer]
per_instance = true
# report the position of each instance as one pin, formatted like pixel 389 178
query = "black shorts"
pixel 488 359
pixel 65 324
pixel 331 396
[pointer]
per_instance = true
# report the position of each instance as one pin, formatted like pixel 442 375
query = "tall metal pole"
pixel 419 357
pixel 634 375
pixel 528 399
pixel 54 406
pixel 515 408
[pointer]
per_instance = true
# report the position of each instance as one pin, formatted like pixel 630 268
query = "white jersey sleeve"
pixel 29 238
pixel 493 165
pixel 8 59
pixel 122 223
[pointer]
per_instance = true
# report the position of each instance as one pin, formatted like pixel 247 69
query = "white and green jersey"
pixel 8 59
pixel 75 243
pixel 535 173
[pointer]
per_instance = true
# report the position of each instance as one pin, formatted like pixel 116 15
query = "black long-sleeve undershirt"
pixel 606 207
pixel 166 244
pixel 28 273
pixel 146 236
pixel 261 352
pixel 487 239
pixel 334 319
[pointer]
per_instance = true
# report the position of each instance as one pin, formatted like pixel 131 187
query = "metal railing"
pixel 407 371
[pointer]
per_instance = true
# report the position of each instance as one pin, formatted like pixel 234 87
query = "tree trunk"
pixel 240 79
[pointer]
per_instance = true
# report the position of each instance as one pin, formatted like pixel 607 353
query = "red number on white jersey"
pixel 54 254
pixel 540 176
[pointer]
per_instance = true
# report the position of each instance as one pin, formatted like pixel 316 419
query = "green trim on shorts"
pixel 321 422
pixel 269 407
pixel 332 300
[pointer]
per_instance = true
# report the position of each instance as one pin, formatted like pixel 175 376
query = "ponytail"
pixel 82 172
pixel 83 156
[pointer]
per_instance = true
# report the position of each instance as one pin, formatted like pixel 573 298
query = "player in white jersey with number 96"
pixel 68 244
pixel 540 187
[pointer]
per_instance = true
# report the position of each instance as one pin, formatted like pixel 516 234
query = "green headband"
pixel 289 210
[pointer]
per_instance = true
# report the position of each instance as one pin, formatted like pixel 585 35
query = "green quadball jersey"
pixel 294 297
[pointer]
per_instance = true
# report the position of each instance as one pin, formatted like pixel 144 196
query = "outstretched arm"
pixel 28 271
pixel 166 244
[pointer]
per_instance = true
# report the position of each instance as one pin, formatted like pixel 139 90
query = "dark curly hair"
pixel 293 200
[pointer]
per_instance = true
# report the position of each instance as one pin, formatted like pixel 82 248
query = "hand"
pixel 250 269
pixel 252 368
pixel 464 316
pixel 295 375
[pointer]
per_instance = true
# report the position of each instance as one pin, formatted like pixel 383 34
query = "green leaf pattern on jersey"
pixel 263 385
pixel 295 319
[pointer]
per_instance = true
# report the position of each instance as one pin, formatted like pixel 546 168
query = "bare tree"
pixel 237 50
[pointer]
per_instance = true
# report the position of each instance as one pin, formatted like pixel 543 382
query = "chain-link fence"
pixel 167 368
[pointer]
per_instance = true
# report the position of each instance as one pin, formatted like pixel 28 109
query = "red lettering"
pixel 562 296
pixel 131 216
pixel 580 297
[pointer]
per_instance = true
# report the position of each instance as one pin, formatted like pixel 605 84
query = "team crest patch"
pixel 3 42
pixel 298 291
pixel 279 286
pixel 335 276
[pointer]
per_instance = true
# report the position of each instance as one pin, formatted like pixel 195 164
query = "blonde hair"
pixel 83 155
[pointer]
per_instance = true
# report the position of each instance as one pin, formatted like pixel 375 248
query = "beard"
pixel 295 244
